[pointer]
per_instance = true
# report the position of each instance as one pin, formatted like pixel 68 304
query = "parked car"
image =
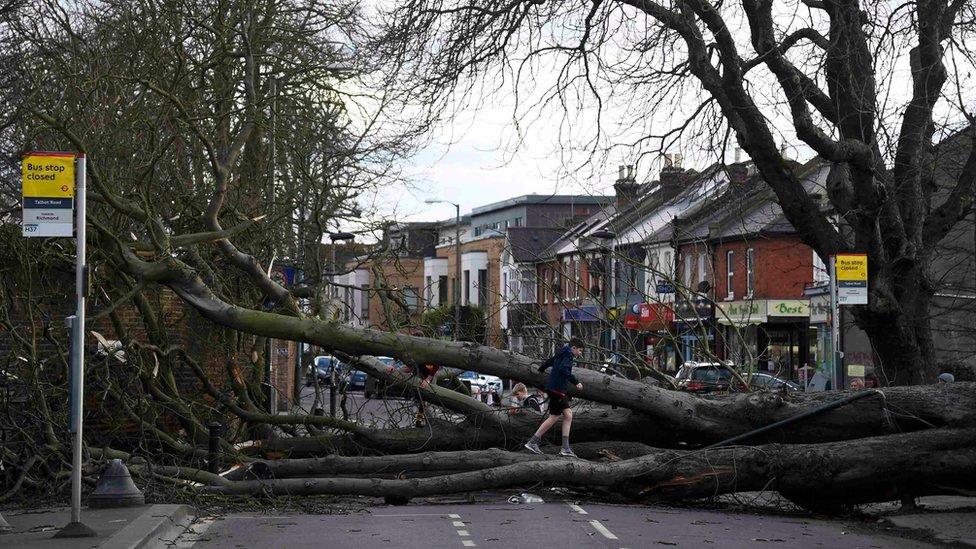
pixel 771 382
pixel 481 381
pixel 353 380
pixel 708 377
pixel 322 368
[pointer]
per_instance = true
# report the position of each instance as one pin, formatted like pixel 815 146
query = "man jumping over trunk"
pixel 556 386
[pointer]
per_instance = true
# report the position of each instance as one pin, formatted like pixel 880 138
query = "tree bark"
pixel 938 461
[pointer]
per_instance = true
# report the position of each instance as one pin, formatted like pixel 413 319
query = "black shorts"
pixel 557 402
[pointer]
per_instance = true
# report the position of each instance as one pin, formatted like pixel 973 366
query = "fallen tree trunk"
pixel 677 416
pixel 939 461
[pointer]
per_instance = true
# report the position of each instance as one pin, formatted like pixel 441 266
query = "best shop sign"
pixel 49 190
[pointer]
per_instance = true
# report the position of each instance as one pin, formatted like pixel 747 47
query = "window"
pixel 429 291
pixel 527 285
pixel 689 265
pixel 467 287
pixel 729 273
pixel 412 298
pixel 364 303
pixel 442 290
pixel 667 270
pixel 477 230
pixel 575 282
pixel 750 272
pixel 505 288
pixel 702 266
pixel 517 222
pixel 544 289
pixel 482 287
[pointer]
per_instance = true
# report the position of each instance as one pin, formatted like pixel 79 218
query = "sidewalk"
pixel 947 519
pixel 128 527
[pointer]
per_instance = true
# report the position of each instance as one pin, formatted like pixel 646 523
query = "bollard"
pixel 115 488
pixel 213 460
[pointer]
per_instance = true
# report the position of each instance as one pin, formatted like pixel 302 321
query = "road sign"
pixel 48 193
pixel 852 279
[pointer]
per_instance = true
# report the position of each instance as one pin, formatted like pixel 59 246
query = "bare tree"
pixel 827 70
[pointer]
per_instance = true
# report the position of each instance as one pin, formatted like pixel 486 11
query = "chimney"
pixel 738 173
pixel 626 187
pixel 671 173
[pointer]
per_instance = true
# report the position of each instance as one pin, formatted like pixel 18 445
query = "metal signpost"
pixel 848 286
pixel 53 186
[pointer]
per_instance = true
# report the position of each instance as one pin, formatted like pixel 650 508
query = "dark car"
pixel 354 380
pixel 708 377
pixel 771 382
pixel 322 369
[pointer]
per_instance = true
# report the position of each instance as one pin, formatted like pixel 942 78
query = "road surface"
pixel 563 525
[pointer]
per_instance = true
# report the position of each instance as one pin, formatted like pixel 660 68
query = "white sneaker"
pixel 568 452
pixel 533 447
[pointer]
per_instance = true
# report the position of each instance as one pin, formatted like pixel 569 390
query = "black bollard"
pixel 213 460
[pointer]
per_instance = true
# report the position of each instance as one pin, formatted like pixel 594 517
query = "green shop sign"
pixel 788 307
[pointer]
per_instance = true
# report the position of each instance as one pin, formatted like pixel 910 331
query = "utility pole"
pixel 837 360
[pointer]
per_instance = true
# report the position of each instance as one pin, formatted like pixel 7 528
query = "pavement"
pixel 144 526
pixel 950 520
pixel 549 524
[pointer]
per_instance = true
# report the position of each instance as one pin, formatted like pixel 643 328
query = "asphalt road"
pixel 547 525
pixel 376 412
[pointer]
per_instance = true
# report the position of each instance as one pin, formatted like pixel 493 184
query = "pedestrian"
pixel 556 386
pixel 537 401
pixel 516 400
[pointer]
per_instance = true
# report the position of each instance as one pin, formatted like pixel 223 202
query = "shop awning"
pixel 741 313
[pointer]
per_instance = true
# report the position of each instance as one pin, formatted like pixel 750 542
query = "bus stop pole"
pixel 76 529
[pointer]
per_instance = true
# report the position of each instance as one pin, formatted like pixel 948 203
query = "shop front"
pixel 694 325
pixel 767 335
pixel 821 346
pixel 651 326
pixel 586 323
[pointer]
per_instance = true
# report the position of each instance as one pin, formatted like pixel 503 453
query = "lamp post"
pixel 457 263
pixel 604 235
pixel 334 237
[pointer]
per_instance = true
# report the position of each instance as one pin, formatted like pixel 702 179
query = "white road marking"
pixel 463 533
pixel 577 508
pixel 458 524
pixel 602 529
pixel 468 543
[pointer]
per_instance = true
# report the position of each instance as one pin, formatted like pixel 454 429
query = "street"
pixel 375 412
pixel 551 524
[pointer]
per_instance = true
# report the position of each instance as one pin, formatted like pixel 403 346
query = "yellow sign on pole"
pixel 49 190
pixel 852 279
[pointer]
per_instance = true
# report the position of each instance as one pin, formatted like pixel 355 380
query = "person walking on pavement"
pixel 556 386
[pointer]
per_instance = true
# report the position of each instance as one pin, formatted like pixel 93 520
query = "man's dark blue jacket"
pixel 562 370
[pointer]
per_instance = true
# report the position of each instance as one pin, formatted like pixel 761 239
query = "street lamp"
pixel 334 237
pixel 457 262
pixel 604 234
